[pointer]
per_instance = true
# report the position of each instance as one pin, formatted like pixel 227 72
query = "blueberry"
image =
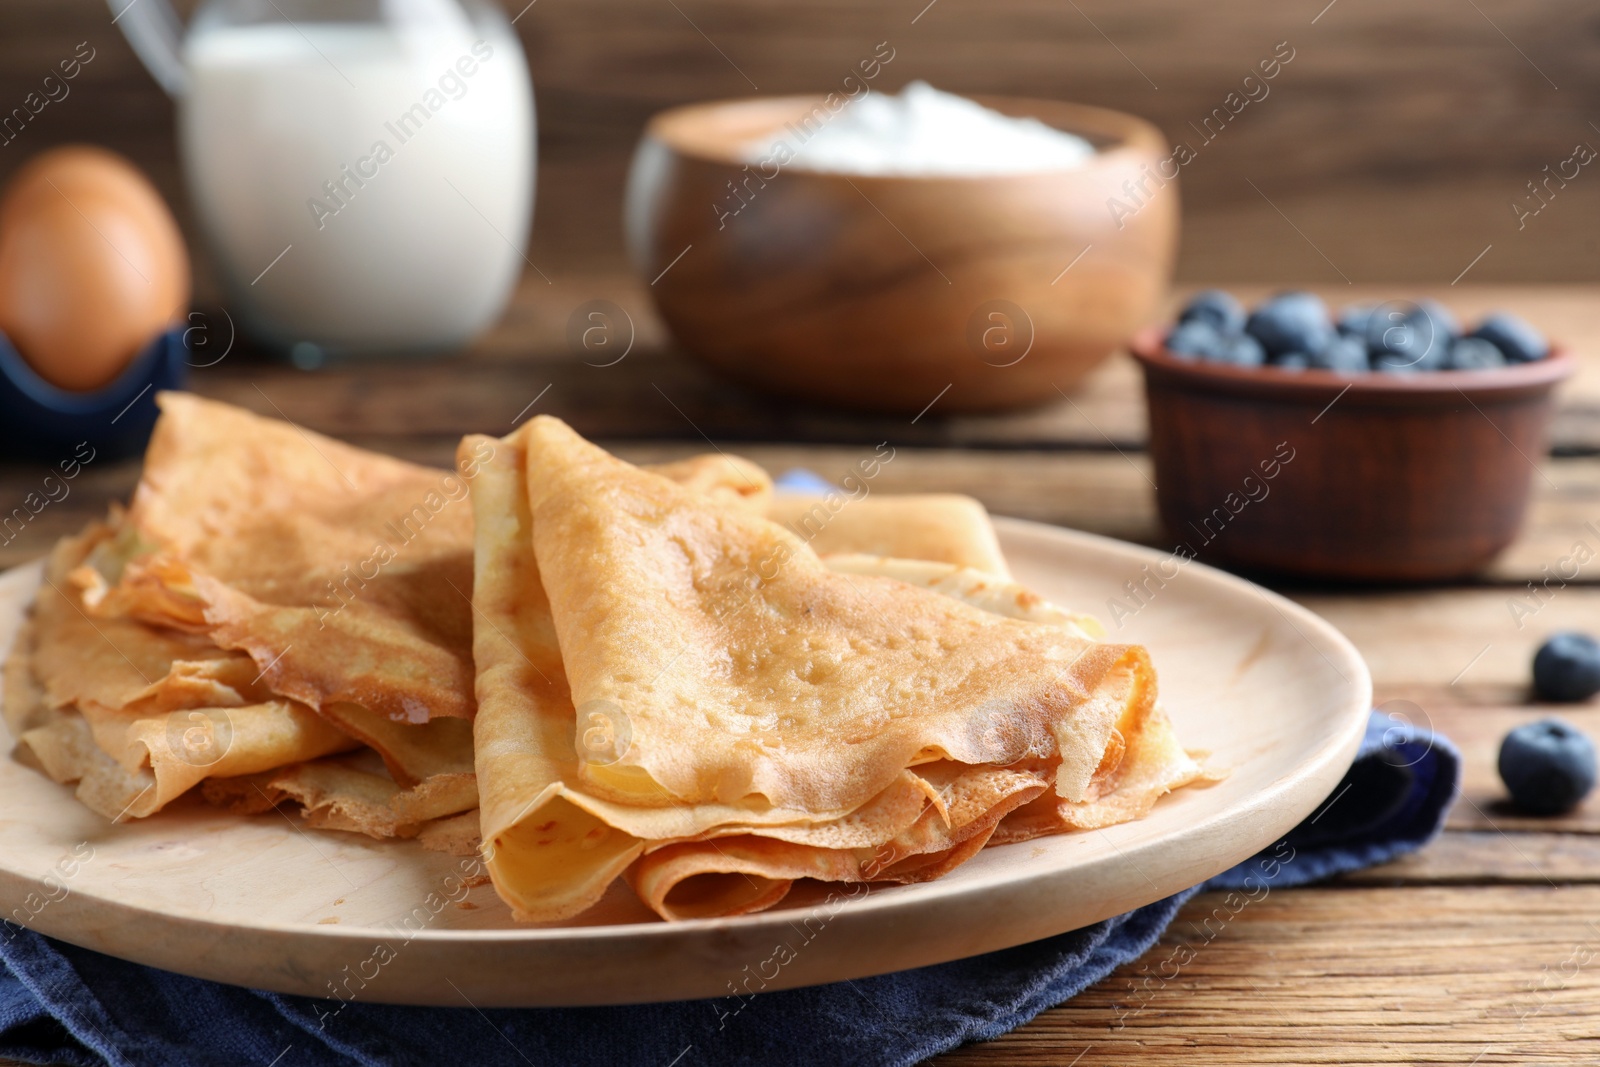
pixel 1443 322
pixel 1519 342
pixel 1435 330
pixel 1218 308
pixel 1196 339
pixel 1567 668
pixel 1403 337
pixel 1344 354
pixel 1241 350
pixel 1474 353
pixel 1353 320
pixel 1293 361
pixel 1291 322
pixel 1547 766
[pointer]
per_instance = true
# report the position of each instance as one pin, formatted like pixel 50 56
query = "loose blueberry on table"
pixel 1547 766
pixel 1566 669
pixel 1294 332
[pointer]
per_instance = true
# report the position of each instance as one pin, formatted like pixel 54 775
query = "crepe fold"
pixel 135 716
pixel 684 691
pixel 342 573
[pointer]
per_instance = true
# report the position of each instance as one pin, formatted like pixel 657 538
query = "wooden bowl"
pixel 879 293
pixel 1366 477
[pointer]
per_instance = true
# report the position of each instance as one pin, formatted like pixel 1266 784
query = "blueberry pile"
pixel 1293 331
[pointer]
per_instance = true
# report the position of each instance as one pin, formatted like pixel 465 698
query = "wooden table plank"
pixel 1459 635
pixel 654 392
pixel 1491 857
pixel 1490 975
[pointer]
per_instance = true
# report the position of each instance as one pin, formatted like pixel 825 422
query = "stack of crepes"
pixel 277 617
pixel 589 670
pixel 679 691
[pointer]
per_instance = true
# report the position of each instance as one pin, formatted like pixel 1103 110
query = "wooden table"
pixel 1483 949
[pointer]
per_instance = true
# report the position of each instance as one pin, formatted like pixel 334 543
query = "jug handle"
pixel 156 34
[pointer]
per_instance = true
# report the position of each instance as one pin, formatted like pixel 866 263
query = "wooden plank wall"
pixel 1390 149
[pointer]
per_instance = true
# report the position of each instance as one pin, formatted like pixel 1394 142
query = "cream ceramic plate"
pixel 1276 694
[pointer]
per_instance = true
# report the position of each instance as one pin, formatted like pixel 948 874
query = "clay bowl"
pixel 877 293
pixel 1371 477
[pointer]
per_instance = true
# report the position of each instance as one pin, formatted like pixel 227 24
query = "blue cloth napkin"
pixel 66 1005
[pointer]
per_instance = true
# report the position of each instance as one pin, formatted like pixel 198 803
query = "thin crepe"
pixel 568 801
pixel 751 673
pixel 552 845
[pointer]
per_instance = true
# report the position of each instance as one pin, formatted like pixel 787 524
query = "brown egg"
pixel 92 265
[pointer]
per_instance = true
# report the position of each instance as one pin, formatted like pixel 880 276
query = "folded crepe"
pixel 685 692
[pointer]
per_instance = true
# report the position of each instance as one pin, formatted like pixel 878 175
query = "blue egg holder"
pixel 42 421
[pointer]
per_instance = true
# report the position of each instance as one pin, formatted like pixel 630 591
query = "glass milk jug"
pixel 362 169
